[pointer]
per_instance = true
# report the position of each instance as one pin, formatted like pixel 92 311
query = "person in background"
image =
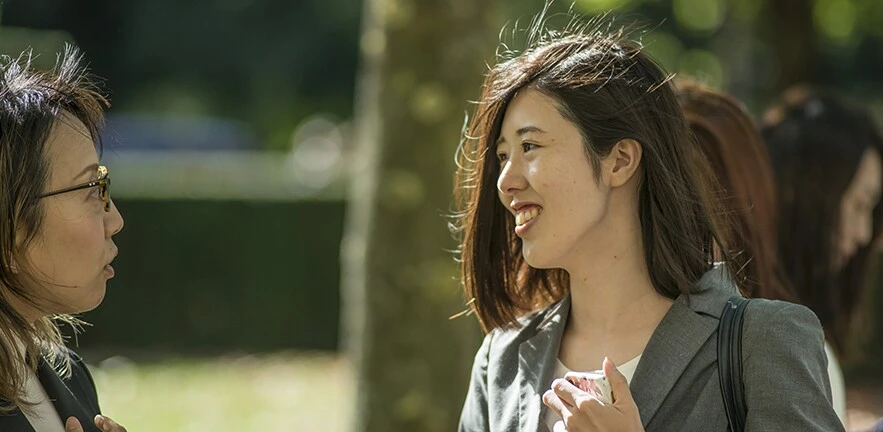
pixel 826 156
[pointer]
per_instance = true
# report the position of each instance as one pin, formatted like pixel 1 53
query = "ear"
pixel 623 161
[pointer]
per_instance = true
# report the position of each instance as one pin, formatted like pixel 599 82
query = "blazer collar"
pixel 536 363
pixel 61 397
pixel 64 400
pixel 683 331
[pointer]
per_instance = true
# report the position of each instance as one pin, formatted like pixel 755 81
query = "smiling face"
pixel 69 260
pixel 547 182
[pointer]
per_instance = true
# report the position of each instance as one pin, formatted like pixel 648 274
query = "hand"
pixel 103 423
pixel 580 411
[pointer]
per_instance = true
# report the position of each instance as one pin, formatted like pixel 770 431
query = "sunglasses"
pixel 102 183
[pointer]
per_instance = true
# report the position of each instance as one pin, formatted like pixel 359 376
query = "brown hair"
pixel 611 91
pixel 816 141
pixel 733 146
pixel 31 104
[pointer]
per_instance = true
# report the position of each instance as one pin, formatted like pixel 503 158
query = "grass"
pixel 278 392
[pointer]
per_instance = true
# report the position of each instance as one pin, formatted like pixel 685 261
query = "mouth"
pixel 108 268
pixel 526 217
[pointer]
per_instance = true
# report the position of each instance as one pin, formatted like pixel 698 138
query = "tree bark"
pixel 421 62
pixel 792 35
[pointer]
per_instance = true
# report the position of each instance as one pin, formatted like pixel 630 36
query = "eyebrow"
pixel 521 132
pixel 90 169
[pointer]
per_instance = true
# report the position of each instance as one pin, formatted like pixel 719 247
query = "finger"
pixel 568 392
pixel 619 386
pixel 106 424
pixel 559 426
pixel 555 403
pixel 72 425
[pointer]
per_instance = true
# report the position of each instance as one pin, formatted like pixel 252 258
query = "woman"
pixel 57 228
pixel 587 240
pixel 826 155
pixel 729 139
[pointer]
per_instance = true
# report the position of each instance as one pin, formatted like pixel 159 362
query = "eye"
pixel 527 146
pixel 502 157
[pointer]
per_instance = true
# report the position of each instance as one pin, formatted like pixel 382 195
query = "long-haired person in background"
pixel 587 229
pixel 56 244
pixel 730 140
pixel 826 155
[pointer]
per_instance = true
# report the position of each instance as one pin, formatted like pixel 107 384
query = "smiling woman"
pixel 56 244
pixel 588 223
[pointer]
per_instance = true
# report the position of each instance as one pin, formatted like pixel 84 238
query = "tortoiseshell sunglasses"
pixel 102 183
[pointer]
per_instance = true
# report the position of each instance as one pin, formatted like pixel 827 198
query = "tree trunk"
pixel 792 34
pixel 421 62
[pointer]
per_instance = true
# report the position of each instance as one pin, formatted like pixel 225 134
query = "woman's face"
pixel 857 207
pixel 547 182
pixel 69 259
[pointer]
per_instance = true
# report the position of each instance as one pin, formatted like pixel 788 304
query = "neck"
pixel 611 289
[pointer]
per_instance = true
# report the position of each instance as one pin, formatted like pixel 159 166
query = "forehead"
pixel 70 146
pixel 530 106
pixel 870 168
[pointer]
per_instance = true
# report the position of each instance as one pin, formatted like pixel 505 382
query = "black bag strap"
pixel 729 361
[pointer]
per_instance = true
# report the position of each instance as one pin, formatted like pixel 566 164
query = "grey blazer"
pixel 676 385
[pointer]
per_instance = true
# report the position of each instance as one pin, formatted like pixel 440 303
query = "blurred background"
pixel 285 172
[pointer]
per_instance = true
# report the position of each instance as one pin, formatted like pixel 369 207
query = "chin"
pixel 92 301
pixel 536 259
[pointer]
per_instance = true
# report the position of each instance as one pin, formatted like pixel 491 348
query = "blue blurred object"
pixel 153 132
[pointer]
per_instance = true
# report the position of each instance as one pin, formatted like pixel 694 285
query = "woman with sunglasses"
pixel 56 244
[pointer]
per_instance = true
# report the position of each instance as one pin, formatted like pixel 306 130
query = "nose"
pixel 511 179
pixel 113 221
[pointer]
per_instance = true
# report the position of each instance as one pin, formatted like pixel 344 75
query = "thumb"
pixel 73 425
pixel 619 386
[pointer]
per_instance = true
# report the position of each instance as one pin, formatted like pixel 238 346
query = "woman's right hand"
pixel 103 423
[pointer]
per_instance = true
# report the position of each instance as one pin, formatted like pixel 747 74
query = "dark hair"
pixel 611 91
pixel 733 146
pixel 31 103
pixel 816 141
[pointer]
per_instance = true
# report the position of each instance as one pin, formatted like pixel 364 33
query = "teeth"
pixel 526 216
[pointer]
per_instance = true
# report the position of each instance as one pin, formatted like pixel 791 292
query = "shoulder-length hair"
pixel 731 142
pixel 816 141
pixel 31 104
pixel 611 90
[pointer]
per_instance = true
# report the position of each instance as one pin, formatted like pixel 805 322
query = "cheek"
pixel 69 248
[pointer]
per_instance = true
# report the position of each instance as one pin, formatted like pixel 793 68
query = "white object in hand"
pixel 594 383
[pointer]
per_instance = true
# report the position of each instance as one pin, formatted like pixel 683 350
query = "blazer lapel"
pixel 680 335
pixel 536 362
pixel 64 400
pixel 677 339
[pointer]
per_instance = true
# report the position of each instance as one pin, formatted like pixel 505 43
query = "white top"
pixel 838 389
pixel 627 369
pixel 43 416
